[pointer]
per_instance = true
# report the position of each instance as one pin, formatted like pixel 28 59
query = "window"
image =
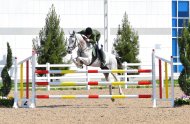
pixel 183 9
pixel 174 32
pixel 179 31
pixel 174 8
pixel 174 46
pixel 174 22
pixel 174 52
pixel 181 22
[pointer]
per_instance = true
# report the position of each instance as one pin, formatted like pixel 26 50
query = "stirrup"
pixel 103 64
pixel 80 66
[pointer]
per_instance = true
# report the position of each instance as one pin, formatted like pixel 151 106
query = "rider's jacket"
pixel 95 37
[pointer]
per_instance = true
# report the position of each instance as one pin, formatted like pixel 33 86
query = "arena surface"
pixel 97 111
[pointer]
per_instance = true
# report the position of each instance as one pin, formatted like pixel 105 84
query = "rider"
pixel 93 36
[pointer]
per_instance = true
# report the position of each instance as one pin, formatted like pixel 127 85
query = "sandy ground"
pixel 97 111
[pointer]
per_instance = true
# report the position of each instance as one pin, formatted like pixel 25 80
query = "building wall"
pixel 21 21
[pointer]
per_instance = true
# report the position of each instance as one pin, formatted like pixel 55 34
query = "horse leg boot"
pixel 76 63
pixel 120 90
pixel 110 90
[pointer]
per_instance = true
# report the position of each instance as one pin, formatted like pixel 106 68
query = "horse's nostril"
pixel 68 51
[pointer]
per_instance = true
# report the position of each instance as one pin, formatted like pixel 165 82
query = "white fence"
pixel 85 77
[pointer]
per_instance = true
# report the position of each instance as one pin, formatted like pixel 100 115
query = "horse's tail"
pixel 119 63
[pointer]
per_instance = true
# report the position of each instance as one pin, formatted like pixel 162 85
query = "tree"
pixel 126 44
pixel 52 46
pixel 6 79
pixel 184 49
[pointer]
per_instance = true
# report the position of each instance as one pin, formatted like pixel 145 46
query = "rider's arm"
pixel 91 41
pixel 97 35
pixel 88 40
pixel 82 32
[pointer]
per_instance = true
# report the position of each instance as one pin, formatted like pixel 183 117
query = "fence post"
pixel 87 79
pixel 27 79
pixel 153 79
pixel 163 76
pixel 125 74
pixel 160 77
pixel 48 76
pixel 15 105
pixel 172 83
pixel 33 99
pixel 166 78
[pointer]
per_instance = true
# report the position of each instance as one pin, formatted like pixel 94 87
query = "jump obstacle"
pixel 31 102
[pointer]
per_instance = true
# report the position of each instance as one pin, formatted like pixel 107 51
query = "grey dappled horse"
pixel 86 55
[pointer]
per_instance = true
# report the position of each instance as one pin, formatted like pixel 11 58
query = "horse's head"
pixel 75 40
pixel 72 42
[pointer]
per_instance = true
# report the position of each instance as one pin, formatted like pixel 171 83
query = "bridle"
pixel 75 42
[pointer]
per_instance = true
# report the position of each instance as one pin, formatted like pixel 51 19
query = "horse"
pixel 85 55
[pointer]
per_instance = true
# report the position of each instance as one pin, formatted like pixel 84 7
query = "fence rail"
pixel 91 76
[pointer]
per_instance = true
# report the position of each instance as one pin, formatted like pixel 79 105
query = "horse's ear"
pixel 73 32
pixel 66 39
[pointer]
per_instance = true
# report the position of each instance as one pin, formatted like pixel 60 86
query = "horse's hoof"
pixel 121 93
pixel 81 67
pixel 112 99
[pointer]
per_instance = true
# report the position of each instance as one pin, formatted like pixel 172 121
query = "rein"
pixel 80 46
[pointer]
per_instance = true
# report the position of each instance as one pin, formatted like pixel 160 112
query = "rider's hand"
pixel 88 40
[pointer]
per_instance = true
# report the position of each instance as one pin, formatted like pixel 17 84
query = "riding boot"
pixel 102 57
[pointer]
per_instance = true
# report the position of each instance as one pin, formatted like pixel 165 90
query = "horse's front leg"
pixel 83 61
pixel 78 63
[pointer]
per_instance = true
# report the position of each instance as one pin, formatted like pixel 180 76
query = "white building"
pixel 21 21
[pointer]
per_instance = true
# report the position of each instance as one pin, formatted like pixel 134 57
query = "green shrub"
pixel 6 79
pixel 6 102
pixel 184 45
pixel 184 100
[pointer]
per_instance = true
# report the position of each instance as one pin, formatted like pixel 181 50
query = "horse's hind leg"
pixel 120 90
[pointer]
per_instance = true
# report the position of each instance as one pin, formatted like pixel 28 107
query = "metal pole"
pixel 106 25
